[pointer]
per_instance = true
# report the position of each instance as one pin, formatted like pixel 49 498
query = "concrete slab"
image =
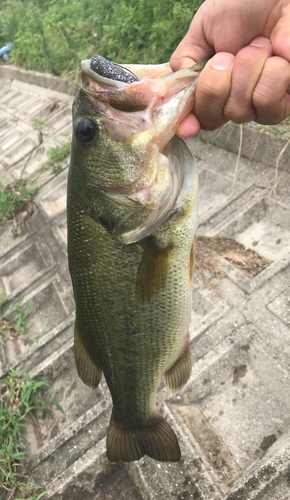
pixel 232 418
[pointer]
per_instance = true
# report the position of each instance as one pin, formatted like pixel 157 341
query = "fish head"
pixel 123 126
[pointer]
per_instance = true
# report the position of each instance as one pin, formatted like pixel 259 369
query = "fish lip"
pixel 107 82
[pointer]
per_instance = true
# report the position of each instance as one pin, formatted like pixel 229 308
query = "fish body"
pixel 132 216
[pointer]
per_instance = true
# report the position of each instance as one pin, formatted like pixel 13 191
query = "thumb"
pixel 194 46
pixel 280 36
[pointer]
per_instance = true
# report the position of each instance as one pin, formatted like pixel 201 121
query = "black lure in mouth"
pixel 111 70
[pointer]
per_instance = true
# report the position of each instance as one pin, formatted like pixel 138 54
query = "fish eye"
pixel 86 131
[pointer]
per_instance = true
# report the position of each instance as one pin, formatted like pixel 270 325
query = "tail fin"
pixel 157 440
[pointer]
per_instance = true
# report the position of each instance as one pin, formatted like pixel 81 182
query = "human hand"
pixel 249 76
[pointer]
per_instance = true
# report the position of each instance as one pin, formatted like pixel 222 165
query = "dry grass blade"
pixel 237 163
pixel 276 183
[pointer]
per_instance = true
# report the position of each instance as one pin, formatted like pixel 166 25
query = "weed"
pixel 54 401
pixel 12 323
pixel 36 496
pixel 20 397
pixel 56 157
pixel 38 124
pixel 280 129
pixel 19 314
pixel 18 195
pixel 14 197
pixel 37 338
pixel 2 300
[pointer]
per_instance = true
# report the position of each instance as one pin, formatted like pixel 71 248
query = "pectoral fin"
pixel 177 376
pixel 153 271
pixel 88 372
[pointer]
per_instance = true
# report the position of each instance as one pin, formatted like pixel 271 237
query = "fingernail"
pixel 261 41
pixel 221 61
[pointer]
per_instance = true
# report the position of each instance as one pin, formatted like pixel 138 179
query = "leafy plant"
pixel 20 397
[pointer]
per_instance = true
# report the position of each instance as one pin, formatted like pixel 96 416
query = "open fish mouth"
pixel 141 107
pixel 101 76
pixel 155 99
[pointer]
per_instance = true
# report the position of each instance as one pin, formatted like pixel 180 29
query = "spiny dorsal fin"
pixel 88 372
pixel 157 440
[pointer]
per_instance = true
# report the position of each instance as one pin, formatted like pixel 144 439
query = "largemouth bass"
pixel 132 217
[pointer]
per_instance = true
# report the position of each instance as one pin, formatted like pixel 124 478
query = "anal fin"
pixel 88 372
pixel 156 439
pixel 177 376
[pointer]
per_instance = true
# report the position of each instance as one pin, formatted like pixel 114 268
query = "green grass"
pixel 54 35
pixel 2 301
pixel 38 124
pixel 37 496
pixel 20 397
pixel 13 321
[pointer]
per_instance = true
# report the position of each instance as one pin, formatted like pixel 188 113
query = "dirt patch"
pixel 239 372
pixel 268 441
pixel 209 250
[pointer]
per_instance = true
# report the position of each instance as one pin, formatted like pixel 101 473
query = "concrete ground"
pixel 232 418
